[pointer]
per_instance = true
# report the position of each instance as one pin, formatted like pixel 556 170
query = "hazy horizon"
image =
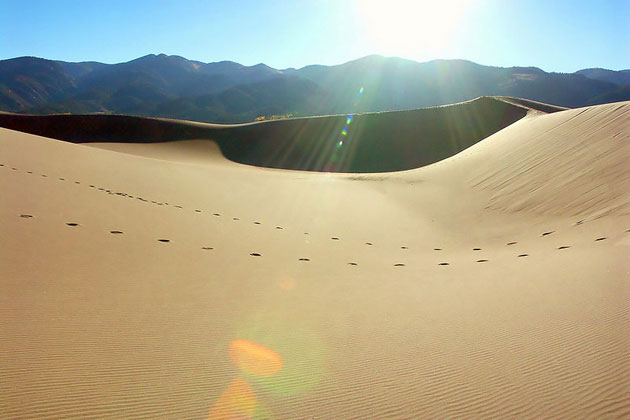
pixel 559 37
pixel 311 64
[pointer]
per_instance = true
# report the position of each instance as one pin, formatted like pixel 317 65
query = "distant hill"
pixel 622 93
pixel 174 87
pixel 394 83
pixel 618 77
pixel 246 102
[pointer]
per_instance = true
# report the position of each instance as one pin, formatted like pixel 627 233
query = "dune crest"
pixel 371 142
pixel 570 164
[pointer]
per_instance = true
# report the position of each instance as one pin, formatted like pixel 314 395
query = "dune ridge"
pixel 597 142
pixel 371 142
pixel 434 292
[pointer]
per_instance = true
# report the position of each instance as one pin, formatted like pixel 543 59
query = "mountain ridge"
pixel 172 86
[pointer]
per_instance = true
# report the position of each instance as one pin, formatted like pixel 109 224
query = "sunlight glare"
pixel 411 28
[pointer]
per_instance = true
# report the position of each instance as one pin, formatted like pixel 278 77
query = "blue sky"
pixel 555 35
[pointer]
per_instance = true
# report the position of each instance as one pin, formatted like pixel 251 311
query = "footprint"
pixel 334 238
pixel 399 265
pixel 72 224
pixel 443 263
pixel 214 214
pixel 116 232
pixel 523 255
pixel 547 233
pixel 564 247
pixel 14 169
pixel 476 249
pixel 44 176
pixel 512 243
pixel 77 182
pixel 256 223
pixel 62 179
pixel 29 172
pixel 164 240
pixel 235 218
pixel 306 233
pixel 207 248
pixel 482 261
pixel 600 239
pixel 304 259
pixel 196 210
pixel 279 227
pixel 369 243
pixel 179 207
pixel 26 216
pixel 403 247
pixel 255 254
pixel 579 222
pixel 437 249
pixel 352 263
pixel 92 186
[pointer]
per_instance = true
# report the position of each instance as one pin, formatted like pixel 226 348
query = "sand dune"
pixel 165 281
pixel 372 142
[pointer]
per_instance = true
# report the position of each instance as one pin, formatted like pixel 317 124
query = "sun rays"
pixel 408 28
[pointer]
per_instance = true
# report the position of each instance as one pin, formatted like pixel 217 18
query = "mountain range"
pixel 174 87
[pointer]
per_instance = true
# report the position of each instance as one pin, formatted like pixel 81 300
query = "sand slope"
pixel 371 142
pixel 491 284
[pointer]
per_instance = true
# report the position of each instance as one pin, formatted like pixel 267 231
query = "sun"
pixel 409 28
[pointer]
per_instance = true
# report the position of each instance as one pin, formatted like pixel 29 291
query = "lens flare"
pixel 349 120
pixel 361 91
pixel 344 132
pixel 255 359
pixel 302 352
pixel 236 402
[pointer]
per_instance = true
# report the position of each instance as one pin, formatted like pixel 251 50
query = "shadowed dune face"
pixel 377 142
pixel 381 142
pixel 103 128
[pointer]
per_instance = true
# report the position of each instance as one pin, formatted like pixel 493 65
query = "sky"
pixel 555 35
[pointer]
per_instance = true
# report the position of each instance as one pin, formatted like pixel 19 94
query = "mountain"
pixel 246 102
pixel 395 83
pixel 617 77
pixel 225 91
pixel 29 81
pixel 622 93
pixel 30 84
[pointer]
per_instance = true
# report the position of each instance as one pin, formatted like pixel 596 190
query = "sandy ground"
pixel 493 284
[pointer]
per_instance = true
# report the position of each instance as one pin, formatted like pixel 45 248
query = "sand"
pixel 165 281
pixel 370 142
